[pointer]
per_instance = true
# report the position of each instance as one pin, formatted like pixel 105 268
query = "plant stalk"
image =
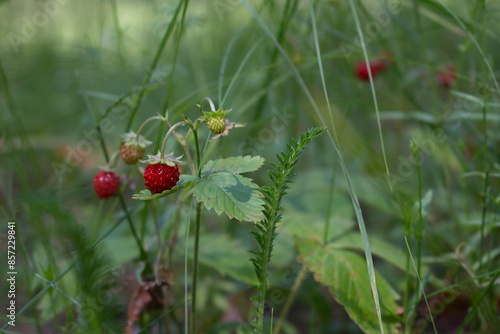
pixel 152 67
pixel 196 241
pixel 290 299
pixel 164 144
pixel 144 124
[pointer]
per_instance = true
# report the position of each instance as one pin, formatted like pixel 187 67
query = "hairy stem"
pixel 195 267
pixel 144 124
pixel 164 143
pixel 196 241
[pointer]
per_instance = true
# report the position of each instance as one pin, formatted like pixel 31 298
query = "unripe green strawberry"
pixel 217 124
pixel 133 148
pixel 215 120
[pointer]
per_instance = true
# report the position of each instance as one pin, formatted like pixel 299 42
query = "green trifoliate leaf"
pixel 231 193
pixel 236 165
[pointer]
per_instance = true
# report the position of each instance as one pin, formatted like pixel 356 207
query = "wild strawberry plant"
pixel 217 184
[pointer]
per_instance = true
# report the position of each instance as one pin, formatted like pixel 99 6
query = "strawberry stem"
pixel 114 159
pixel 212 106
pixel 184 145
pixel 164 144
pixel 196 240
pixel 146 122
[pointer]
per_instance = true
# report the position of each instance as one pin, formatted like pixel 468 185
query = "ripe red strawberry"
pixel 160 177
pixel 162 173
pixel 447 78
pixel 106 184
pixel 133 148
pixel 131 153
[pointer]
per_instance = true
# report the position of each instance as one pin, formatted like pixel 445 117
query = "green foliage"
pixel 104 77
pixel 223 189
pixel 266 229
pixel 236 165
pixel 344 272
pixel 95 302
pixel 225 254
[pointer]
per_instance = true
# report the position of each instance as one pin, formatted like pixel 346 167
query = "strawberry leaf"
pixel 344 272
pixel 184 181
pixel 236 165
pixel 231 193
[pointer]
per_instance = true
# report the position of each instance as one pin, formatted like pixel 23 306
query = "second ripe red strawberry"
pixel 106 184
pixel 447 77
pixel 376 66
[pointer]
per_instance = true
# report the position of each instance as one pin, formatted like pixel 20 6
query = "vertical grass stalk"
pixel 416 154
pixel 152 67
pixel 287 15
pixel 484 200
pixel 196 240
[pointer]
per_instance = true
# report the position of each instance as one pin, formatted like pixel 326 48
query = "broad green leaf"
pixel 344 272
pixel 227 256
pixel 379 247
pixel 312 225
pixel 184 181
pixel 236 165
pixel 231 193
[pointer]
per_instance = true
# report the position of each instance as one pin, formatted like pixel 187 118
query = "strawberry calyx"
pixel 207 115
pixel 168 159
pixel 131 139
pixel 215 120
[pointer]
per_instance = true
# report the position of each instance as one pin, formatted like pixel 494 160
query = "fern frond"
pixel 265 235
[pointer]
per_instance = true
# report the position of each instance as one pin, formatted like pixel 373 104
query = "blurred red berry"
pixel 376 66
pixel 447 77
pixel 106 184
